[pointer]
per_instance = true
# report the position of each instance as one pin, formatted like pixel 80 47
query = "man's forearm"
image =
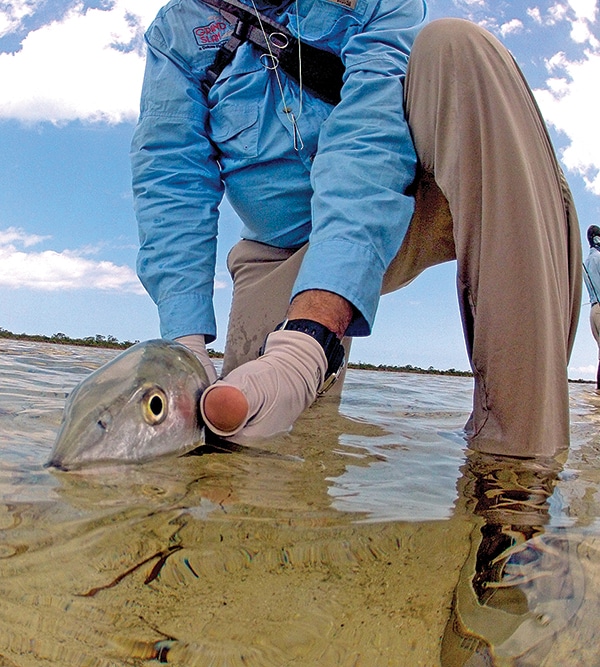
pixel 326 308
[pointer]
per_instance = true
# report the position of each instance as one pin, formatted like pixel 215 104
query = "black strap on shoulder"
pixel 322 71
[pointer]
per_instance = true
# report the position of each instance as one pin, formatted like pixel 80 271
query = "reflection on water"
pixel 363 538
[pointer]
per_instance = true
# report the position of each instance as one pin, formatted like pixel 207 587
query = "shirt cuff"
pixel 348 269
pixel 186 314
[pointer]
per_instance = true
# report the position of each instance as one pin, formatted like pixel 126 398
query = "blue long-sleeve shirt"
pixel 344 189
pixel 591 275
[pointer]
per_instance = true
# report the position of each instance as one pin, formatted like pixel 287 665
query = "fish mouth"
pixel 61 457
pixel 57 465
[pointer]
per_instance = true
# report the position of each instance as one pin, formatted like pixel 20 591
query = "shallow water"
pixel 366 537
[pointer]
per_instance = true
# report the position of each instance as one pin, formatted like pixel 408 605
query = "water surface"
pixel 365 537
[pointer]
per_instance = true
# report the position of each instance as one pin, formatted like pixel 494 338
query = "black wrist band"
pixel 333 349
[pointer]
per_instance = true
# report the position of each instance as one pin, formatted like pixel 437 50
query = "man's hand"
pixel 266 396
pixel 196 344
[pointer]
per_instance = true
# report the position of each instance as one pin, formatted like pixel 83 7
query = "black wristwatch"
pixel 334 350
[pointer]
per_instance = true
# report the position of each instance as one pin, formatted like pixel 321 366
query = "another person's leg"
pixel 595 326
pixel 479 134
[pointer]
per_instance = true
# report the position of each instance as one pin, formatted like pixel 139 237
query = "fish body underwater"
pixel 141 405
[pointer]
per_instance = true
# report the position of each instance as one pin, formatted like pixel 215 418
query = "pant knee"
pixel 254 260
pixel 453 33
pixel 237 257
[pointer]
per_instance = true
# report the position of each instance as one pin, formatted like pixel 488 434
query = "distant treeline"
pixel 89 341
pixel 361 366
pixel 63 339
pixel 114 343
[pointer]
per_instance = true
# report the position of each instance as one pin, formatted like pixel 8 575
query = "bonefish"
pixel 141 405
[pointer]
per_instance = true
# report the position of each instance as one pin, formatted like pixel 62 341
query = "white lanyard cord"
pixel 274 66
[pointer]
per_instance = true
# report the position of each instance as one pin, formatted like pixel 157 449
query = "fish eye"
pixel 154 406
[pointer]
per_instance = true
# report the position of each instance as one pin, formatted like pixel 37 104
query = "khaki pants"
pixel 491 195
pixel 595 324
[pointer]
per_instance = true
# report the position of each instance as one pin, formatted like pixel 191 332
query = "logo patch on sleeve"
pixel 349 4
pixel 213 34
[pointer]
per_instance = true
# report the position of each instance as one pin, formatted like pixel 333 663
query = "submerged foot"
pixel 522 583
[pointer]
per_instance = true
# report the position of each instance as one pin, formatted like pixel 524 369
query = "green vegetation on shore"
pixel 109 342
pixel 113 343
pixel 361 366
pixel 98 340
pixel 63 339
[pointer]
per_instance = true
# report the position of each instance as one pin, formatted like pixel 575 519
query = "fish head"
pixel 141 405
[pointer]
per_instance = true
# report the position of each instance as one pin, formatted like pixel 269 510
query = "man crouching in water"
pixel 353 168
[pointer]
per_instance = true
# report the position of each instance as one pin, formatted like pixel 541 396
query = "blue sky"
pixel 70 75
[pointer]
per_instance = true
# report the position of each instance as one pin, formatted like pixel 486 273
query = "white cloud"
pixel 584 9
pixel 584 372
pixel 511 27
pixel 557 12
pixel 88 66
pixel 51 271
pixel 12 235
pixel 13 13
pixel 570 104
pixel 581 33
pixel 570 99
pixel 585 12
pixel 579 13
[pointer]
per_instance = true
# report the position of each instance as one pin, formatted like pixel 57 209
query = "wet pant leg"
pixel 595 324
pixel 491 194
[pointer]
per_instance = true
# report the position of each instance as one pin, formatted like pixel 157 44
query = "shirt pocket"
pixel 234 129
pixel 326 22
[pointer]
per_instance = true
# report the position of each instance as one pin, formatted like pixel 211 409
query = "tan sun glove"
pixel 195 342
pixel 278 386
